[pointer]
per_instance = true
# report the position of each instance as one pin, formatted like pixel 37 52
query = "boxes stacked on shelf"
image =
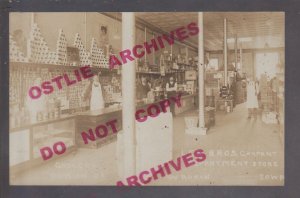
pixel 38 51
pixel 97 56
pixel 61 48
pixel 15 53
pixel 85 57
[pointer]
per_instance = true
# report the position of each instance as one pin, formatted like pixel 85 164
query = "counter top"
pixel 100 111
pixel 86 113
pixel 39 123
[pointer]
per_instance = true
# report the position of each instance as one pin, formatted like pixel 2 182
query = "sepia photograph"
pixel 146 98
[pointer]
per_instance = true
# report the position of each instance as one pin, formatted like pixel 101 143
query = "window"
pixel 266 63
pixel 213 64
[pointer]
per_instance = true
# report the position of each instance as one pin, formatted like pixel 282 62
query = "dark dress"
pixel 143 90
pixel 169 95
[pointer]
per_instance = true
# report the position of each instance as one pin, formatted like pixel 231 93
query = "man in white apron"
pixel 97 101
pixel 252 102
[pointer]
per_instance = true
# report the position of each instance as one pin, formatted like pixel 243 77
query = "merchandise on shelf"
pixel 84 55
pixel 97 56
pixel 61 48
pixel 15 53
pixel 38 51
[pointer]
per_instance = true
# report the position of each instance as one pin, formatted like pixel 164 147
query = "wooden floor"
pixel 239 152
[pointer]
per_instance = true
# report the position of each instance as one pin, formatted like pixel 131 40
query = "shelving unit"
pixel 22 76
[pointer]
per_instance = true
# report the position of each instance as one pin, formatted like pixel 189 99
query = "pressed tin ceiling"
pixel 255 29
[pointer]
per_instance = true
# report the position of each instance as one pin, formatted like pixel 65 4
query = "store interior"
pixel 233 48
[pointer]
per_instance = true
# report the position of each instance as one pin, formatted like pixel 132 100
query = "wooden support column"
pixel 128 95
pixel 241 58
pixel 186 55
pixel 225 53
pixel 201 74
pixel 235 52
pixel 145 40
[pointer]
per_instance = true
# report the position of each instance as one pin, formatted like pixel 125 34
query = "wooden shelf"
pixel 52 66
pixel 39 123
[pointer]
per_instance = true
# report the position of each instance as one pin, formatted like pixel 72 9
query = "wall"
pixel 87 25
pixel 20 20
pixel 248 61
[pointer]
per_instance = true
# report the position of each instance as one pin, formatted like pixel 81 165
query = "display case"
pixel 25 142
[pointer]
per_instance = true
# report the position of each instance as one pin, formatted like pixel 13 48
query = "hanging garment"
pixel 97 101
pixel 252 92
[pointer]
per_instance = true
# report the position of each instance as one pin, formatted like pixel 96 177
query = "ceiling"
pixel 256 29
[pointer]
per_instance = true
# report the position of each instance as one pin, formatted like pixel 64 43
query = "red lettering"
pixel 138 118
pixel 125 54
pixel 68 81
pixel 181 33
pixel 168 170
pixel 133 181
pixel 112 124
pixel 157 110
pixel 48 88
pixel 62 150
pixel 170 38
pixel 46 153
pixel 193 28
pixel 149 46
pixel 113 60
pixel 57 80
pixel 142 179
pixel 86 72
pixel 177 166
pixel 164 104
pixel 119 183
pixel 156 172
pixel 188 160
pixel 199 155
pixel 77 74
pixel 160 42
pixel 135 52
pixel 104 129
pixel 38 91
pixel 177 100
pixel 89 136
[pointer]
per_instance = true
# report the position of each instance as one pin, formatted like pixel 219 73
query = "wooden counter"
pixel 92 119
pixel 188 102
pixel 81 121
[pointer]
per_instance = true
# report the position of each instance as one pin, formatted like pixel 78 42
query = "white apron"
pixel 252 101
pixel 97 101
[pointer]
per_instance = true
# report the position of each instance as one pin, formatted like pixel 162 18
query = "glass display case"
pixel 49 134
pixel 25 142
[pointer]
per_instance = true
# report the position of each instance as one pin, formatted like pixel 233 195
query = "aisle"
pixel 232 146
pixel 82 167
pixel 239 152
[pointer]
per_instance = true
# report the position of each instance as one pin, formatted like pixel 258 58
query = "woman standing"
pixel 252 102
